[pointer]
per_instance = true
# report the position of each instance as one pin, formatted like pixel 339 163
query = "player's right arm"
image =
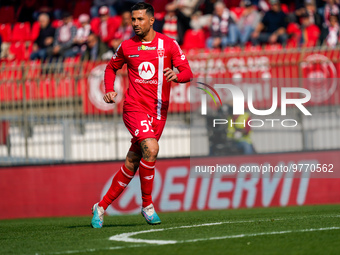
pixel 116 63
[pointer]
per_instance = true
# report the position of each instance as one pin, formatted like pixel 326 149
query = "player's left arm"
pixel 181 63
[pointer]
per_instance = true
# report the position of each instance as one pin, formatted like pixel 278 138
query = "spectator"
pixel 95 49
pixel 170 25
pixel 332 31
pixel 331 8
pixel 110 4
pixel 106 29
pixel 314 16
pixel 124 31
pixel 223 28
pixel 82 32
pixel 309 32
pixel 240 134
pixel 45 38
pixel 64 36
pixel 272 28
pixel 184 10
pixel 248 21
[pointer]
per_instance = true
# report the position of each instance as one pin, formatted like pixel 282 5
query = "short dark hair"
pixel 144 6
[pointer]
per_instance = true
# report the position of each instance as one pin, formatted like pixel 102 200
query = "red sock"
pixel 119 182
pixel 146 174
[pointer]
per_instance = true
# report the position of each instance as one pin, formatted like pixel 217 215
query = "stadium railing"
pixel 53 111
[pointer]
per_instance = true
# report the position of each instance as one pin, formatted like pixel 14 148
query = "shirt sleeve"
pixel 116 62
pixel 180 61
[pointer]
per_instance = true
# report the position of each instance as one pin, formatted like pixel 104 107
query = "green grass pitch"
pixel 287 230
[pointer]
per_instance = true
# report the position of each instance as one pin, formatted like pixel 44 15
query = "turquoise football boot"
pixel 150 215
pixel 98 216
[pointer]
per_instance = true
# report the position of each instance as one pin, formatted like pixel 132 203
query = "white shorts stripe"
pixel 160 78
pixel 145 165
pixel 127 175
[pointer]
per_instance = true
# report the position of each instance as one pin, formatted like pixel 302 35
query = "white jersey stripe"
pixel 160 78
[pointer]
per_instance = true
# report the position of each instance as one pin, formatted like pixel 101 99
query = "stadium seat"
pixel 35 31
pixel 66 88
pixel 81 6
pixel 252 48
pixel 7 14
pixel 80 87
pixel 31 90
pixel 47 89
pixel 18 49
pixel 294 32
pixel 237 11
pixel 235 49
pixel 35 69
pixel 70 65
pixel 285 8
pixel 6 32
pixel 313 34
pixel 57 23
pixel 193 39
pixel 95 25
pixel 76 23
pixel 114 22
pixel 13 71
pixel 21 32
pixel 10 91
pixel 273 47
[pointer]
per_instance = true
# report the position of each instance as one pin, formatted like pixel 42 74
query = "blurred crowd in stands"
pixel 92 30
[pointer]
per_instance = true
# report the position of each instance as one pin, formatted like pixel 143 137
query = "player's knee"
pixel 154 151
pixel 149 149
pixel 132 161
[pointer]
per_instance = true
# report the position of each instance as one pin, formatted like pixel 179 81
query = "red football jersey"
pixel 148 92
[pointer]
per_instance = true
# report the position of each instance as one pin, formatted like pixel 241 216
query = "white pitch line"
pixel 148 243
pixel 259 234
pixel 127 237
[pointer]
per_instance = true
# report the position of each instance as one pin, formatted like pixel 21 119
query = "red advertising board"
pixel 65 190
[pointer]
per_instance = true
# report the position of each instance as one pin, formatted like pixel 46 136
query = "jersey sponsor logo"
pixel 144 47
pixel 160 52
pixel 146 70
pixel 133 56
pixel 146 81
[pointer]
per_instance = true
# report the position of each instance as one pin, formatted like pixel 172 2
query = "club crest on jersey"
pixel 160 52
pixel 146 70
pixel 144 47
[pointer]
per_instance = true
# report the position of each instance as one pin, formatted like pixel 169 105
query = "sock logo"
pixel 122 184
pixel 148 177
